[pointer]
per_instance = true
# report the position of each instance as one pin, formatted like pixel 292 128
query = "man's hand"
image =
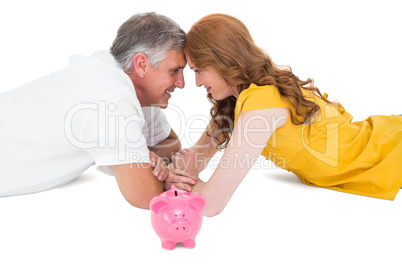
pixel 160 169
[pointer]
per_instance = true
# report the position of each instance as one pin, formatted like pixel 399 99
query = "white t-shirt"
pixel 54 128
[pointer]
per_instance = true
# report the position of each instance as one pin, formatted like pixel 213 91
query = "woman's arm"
pixel 205 148
pixel 249 138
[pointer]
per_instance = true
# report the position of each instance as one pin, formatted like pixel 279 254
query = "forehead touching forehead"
pixel 174 59
pixel 189 62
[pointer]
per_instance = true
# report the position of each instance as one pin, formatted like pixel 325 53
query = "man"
pixel 104 109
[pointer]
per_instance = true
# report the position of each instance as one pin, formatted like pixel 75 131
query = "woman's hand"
pixel 182 171
pixel 181 179
pixel 186 161
pixel 160 169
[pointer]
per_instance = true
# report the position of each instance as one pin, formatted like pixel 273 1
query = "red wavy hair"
pixel 223 43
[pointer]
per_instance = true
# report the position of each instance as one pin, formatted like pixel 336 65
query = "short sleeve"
pixel 112 131
pixel 157 127
pixel 259 97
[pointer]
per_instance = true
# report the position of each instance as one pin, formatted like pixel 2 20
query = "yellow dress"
pixel 363 158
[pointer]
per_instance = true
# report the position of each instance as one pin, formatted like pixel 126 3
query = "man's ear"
pixel 140 63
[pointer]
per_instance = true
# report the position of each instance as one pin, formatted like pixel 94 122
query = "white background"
pixel 351 48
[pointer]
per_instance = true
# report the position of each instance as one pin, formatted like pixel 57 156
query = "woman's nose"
pixel 198 80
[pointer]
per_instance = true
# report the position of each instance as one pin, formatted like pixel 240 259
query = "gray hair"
pixel 148 33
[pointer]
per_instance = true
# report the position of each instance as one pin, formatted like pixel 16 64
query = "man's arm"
pixel 166 148
pixel 137 183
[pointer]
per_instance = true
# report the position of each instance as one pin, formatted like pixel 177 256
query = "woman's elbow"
pixel 211 211
pixel 210 214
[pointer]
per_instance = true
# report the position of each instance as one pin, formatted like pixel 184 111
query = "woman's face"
pixel 212 82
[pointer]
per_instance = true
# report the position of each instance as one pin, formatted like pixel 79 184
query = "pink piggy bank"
pixel 177 217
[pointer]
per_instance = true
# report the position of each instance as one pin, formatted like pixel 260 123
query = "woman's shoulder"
pixel 256 93
pixel 259 97
pixel 255 88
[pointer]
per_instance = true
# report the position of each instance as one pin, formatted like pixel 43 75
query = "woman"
pixel 261 109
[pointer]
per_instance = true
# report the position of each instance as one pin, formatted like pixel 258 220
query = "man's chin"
pixel 163 105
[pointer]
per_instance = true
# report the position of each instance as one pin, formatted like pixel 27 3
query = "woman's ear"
pixel 140 63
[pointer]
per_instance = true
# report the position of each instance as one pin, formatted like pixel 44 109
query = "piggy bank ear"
pixel 157 203
pixel 197 201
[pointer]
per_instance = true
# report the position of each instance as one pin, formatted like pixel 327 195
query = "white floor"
pixel 273 220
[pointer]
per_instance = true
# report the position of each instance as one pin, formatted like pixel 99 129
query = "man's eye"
pixel 197 71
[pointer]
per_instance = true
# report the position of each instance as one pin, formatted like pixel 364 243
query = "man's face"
pixel 159 83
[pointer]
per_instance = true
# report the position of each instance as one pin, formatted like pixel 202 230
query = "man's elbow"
pixel 144 204
pixel 142 200
pixel 139 202
pixel 137 184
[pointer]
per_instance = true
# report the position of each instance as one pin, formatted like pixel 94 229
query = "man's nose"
pixel 180 81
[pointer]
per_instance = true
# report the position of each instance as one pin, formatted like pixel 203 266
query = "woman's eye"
pixel 197 71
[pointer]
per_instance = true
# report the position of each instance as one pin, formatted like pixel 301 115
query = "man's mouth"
pixel 169 92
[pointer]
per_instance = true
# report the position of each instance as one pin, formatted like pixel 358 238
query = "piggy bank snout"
pixel 180 229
